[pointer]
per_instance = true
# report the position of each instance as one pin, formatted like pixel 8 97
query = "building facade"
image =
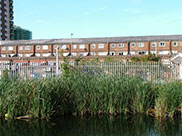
pixel 21 34
pixel 37 50
pixel 6 19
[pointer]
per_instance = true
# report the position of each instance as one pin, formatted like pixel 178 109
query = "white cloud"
pixel 95 11
pixel 133 11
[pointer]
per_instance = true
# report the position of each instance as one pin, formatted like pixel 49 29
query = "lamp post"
pixel 71 46
pixel 57 60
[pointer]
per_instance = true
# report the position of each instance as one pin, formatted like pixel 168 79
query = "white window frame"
pixel 63 46
pixel 10 48
pixel 37 47
pixel 162 44
pixel 112 54
pixel 92 53
pixel 175 44
pixel 56 46
pixel 132 44
pixel 82 46
pixel 27 47
pixel 93 46
pixel 113 45
pixel 74 46
pixel 121 45
pixel 45 47
pixel 101 46
pixel 140 44
pixel 163 52
pixel 4 48
pixel 20 48
pixel 154 44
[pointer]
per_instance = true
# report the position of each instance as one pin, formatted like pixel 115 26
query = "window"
pixel 27 47
pixel 174 52
pixel 122 53
pixel 10 48
pixel 175 44
pixel 101 45
pixel 74 54
pixel 63 46
pixel 162 44
pixel 82 46
pixel 56 46
pixel 154 44
pixel 45 47
pixel 102 53
pixel 142 53
pixel 112 53
pixel 140 44
pixel 153 52
pixel 163 52
pixel 132 52
pixel 121 45
pixel 112 45
pixel 38 47
pixel 4 48
pixel 92 53
pixel 20 47
pixel 93 46
pixel 132 44
pixel 74 46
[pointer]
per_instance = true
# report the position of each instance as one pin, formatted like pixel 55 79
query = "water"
pixel 95 126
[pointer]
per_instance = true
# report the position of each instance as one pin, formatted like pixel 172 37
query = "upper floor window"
pixel 38 47
pixel 74 46
pixel 93 46
pixel 3 48
pixel 154 44
pixel 162 44
pixel 63 46
pixel 20 47
pixel 27 47
pixel 10 48
pixel 175 44
pixel 112 45
pixel 101 45
pixel 82 46
pixel 140 44
pixel 56 46
pixel 132 44
pixel 45 47
pixel 121 45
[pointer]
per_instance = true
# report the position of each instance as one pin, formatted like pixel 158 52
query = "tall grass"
pixel 81 93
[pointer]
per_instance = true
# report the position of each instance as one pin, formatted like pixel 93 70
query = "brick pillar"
pixel 89 49
pixel 34 46
pixel 108 49
pixel 170 48
pixel 70 49
pixel 16 51
pixel 52 46
pixel 148 47
pixel 128 48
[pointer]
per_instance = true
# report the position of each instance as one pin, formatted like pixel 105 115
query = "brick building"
pixel 45 50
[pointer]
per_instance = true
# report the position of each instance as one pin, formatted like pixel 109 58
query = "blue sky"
pixel 98 18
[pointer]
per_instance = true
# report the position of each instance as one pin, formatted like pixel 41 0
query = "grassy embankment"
pixel 80 94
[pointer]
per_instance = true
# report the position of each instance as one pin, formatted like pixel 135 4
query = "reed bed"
pixel 80 93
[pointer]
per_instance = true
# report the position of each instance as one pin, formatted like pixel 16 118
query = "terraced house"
pixel 125 47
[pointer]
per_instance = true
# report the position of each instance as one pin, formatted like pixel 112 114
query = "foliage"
pixel 150 57
pixel 81 93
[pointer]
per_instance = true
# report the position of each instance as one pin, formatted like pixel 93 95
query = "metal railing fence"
pixel 149 71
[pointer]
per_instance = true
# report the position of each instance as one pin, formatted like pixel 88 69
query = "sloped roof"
pixel 94 40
